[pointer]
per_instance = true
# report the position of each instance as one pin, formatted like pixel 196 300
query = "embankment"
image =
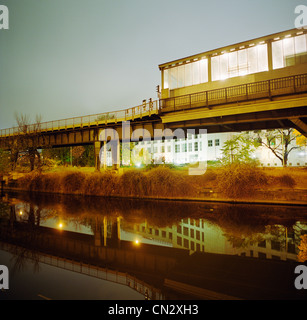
pixel 232 184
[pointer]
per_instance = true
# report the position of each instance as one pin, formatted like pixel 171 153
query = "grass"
pixel 232 181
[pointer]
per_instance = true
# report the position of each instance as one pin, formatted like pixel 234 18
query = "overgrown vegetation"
pixel 158 182
pixel 240 179
pixel 235 180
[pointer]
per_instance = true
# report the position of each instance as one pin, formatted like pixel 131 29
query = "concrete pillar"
pixel 97 146
pixel 116 154
pixel 118 228
pixel 105 230
pixel 104 155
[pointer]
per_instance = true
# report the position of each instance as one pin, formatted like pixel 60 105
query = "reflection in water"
pixel 150 239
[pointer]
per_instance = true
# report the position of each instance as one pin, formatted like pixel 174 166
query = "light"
pixel 137 242
pixel 60 225
pixel 20 212
pixel 138 164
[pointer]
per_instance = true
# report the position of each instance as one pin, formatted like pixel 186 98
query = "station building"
pixel 270 57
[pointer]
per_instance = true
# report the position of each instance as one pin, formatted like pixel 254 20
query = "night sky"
pixel 66 58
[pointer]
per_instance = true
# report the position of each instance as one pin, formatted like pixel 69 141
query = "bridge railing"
pixel 238 93
pixel 146 109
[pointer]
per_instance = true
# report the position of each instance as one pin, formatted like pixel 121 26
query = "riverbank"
pixel 234 184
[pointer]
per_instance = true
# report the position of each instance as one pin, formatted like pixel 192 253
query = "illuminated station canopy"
pixel 257 56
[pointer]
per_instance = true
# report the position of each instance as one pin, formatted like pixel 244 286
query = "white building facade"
pixel 201 147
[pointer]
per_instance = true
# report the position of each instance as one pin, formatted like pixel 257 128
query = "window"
pixel 210 143
pixel 179 241
pixel 184 147
pixel 186 74
pixel 162 149
pixel 185 231
pixel 169 148
pixel 217 142
pixel 186 243
pixel 195 146
pixel 177 148
pixel 289 51
pixel 240 62
pixel 190 147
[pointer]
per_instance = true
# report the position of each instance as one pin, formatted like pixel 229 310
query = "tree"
pixel 77 153
pixel 4 162
pixel 279 141
pixel 301 140
pixel 29 136
pixel 239 149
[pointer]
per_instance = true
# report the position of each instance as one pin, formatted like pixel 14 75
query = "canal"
pixel 61 247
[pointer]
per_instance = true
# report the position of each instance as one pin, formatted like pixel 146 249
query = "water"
pixel 74 247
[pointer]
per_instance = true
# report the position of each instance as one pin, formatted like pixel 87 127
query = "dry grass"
pixel 240 180
pixel 233 181
pixel 161 182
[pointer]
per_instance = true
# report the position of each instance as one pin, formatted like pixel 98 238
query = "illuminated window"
pixel 289 51
pixel 179 241
pixel 186 74
pixel 240 62
pixel 195 146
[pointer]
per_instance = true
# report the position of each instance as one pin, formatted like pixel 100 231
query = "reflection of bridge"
pixel 162 271
pixel 93 271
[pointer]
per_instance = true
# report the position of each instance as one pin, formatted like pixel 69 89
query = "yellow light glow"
pixel 20 212
pixel 137 242
pixel 60 225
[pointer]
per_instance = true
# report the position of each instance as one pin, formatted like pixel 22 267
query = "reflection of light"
pixel 20 212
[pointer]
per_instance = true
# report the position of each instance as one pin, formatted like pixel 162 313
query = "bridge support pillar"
pixel 97 147
pixel 116 154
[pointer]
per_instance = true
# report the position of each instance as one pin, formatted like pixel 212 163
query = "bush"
pixel 72 182
pixel 240 180
pixel 133 183
pixel 102 184
pixel 286 180
pixel 162 181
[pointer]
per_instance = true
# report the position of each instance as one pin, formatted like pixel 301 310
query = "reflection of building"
pixel 199 235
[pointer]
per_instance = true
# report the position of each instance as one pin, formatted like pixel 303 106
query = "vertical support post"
pixel 270 55
pixel 209 69
pixel 104 155
pixel 97 146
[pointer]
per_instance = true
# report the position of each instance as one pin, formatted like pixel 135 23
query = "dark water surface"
pixel 74 247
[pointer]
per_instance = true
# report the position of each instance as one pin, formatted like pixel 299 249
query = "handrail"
pixel 209 98
pixel 148 108
pixel 237 93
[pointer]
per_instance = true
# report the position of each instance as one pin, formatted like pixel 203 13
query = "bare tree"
pixel 29 136
pixel 279 141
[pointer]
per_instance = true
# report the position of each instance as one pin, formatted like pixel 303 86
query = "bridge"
pixel 253 85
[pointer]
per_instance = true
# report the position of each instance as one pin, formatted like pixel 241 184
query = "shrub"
pixel 162 181
pixel 72 182
pixel 286 180
pixel 103 184
pixel 133 182
pixel 240 179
